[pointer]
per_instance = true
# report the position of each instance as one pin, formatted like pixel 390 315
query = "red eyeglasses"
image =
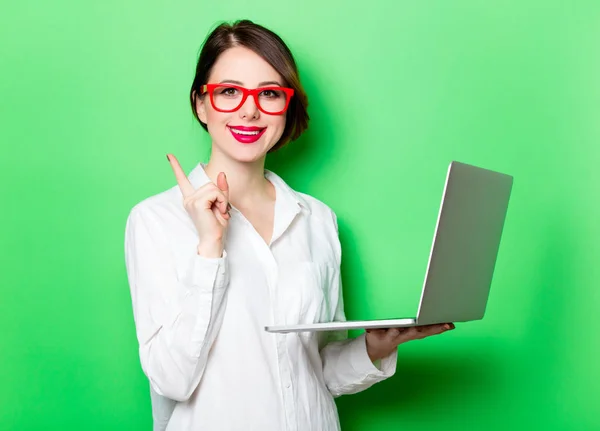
pixel 229 97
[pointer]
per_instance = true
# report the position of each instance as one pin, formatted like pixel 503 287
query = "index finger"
pixel 184 183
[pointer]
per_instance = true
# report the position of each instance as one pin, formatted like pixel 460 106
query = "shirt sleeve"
pixel 177 317
pixel 347 368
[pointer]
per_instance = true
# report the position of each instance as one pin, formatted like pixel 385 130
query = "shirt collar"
pixel 289 193
pixel 198 178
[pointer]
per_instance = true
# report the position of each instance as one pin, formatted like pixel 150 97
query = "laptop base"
pixel 345 325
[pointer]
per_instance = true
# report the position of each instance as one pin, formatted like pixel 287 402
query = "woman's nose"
pixel 249 109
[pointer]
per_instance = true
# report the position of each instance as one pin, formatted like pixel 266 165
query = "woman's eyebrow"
pixel 231 81
pixel 262 84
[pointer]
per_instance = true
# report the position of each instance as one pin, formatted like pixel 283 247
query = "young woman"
pixel 232 248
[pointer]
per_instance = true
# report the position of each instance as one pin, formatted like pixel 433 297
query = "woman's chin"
pixel 248 157
pixel 247 153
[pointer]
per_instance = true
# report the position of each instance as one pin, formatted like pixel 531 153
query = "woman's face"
pixel 232 133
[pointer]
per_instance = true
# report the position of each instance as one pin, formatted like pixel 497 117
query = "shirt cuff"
pixel 208 273
pixel 361 363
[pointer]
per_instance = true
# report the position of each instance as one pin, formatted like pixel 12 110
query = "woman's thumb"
pixel 222 184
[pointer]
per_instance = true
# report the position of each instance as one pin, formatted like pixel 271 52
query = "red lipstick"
pixel 245 134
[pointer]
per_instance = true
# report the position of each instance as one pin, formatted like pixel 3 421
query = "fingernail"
pixel 168 158
pixel 446 326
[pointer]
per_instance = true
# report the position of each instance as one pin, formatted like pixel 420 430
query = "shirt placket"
pixel 283 360
pixel 266 257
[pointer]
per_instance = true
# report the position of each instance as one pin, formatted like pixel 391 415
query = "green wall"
pixel 93 95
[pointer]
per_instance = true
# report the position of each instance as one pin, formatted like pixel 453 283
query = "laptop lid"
pixel 465 245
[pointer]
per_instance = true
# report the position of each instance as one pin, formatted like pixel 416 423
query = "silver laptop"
pixel 463 254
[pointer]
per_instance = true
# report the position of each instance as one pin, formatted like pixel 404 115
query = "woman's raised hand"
pixel 208 208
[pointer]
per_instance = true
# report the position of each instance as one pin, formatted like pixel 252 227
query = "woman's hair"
pixel 273 50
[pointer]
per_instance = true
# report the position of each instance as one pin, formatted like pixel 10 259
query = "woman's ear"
pixel 200 108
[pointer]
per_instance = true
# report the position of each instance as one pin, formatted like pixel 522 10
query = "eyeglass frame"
pixel 209 88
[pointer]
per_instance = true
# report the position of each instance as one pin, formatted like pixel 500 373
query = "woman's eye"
pixel 271 94
pixel 228 91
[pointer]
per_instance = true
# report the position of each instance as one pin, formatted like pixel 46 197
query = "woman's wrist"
pixel 212 250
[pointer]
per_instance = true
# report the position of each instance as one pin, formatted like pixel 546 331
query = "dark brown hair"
pixel 273 50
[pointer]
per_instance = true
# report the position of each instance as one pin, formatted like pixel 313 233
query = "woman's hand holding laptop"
pixel 382 342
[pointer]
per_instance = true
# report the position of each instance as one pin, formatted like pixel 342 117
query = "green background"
pixel 94 94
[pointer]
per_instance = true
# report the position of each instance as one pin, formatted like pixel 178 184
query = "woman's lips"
pixel 246 135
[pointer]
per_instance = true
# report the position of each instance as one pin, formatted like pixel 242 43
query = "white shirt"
pixel 200 322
